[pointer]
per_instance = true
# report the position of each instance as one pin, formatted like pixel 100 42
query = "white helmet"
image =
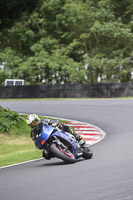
pixel 33 120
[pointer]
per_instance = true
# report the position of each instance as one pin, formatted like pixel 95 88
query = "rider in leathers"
pixel 36 125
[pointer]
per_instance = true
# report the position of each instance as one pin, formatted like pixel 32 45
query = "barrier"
pixel 106 90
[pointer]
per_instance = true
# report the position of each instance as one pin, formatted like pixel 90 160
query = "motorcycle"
pixel 61 144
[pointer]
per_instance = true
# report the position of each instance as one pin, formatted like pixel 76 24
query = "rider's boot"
pixel 46 155
pixel 68 129
pixel 82 143
pixel 78 138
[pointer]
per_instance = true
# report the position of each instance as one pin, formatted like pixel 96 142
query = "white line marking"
pixel 91 132
pixel 21 163
pixel 87 129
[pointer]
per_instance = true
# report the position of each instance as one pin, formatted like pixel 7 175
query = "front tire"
pixel 66 155
pixel 87 153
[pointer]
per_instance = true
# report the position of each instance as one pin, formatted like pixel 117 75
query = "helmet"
pixel 33 120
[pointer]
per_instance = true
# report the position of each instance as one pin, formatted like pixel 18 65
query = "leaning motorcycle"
pixel 61 144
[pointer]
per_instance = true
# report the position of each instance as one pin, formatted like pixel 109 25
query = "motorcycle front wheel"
pixel 87 153
pixel 63 154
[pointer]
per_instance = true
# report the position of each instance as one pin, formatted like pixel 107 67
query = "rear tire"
pixel 87 153
pixel 67 156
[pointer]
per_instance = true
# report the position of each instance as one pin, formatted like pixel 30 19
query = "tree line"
pixel 66 41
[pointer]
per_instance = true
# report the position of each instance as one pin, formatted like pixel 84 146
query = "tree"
pixel 54 41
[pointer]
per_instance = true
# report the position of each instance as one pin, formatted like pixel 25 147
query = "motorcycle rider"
pixel 36 125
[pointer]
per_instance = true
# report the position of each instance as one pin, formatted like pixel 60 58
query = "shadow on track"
pixel 60 163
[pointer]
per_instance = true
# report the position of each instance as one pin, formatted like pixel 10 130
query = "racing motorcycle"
pixel 62 145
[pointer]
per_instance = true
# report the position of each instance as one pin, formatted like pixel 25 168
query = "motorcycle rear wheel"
pixel 66 156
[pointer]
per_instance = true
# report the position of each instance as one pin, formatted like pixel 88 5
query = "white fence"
pixel 14 82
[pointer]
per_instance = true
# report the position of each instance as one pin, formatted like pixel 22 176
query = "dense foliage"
pixel 8 119
pixel 66 41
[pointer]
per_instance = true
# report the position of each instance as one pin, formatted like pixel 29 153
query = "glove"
pixel 55 123
pixel 51 122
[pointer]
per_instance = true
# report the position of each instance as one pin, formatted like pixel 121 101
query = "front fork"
pixel 56 141
pixel 77 152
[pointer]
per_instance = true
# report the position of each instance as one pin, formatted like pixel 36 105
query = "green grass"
pixel 16 145
pixel 30 99
pixel 16 149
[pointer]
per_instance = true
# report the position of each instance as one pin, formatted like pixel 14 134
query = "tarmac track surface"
pixel 107 176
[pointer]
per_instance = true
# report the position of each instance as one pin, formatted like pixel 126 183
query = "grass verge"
pixel 16 149
pixel 30 99
pixel 16 145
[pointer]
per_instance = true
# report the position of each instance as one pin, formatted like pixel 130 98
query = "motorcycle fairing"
pixel 42 138
pixel 48 132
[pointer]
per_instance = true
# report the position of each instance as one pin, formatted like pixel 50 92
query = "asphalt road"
pixel 107 176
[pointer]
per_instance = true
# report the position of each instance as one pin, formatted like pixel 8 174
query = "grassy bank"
pixel 47 99
pixel 16 149
pixel 16 144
